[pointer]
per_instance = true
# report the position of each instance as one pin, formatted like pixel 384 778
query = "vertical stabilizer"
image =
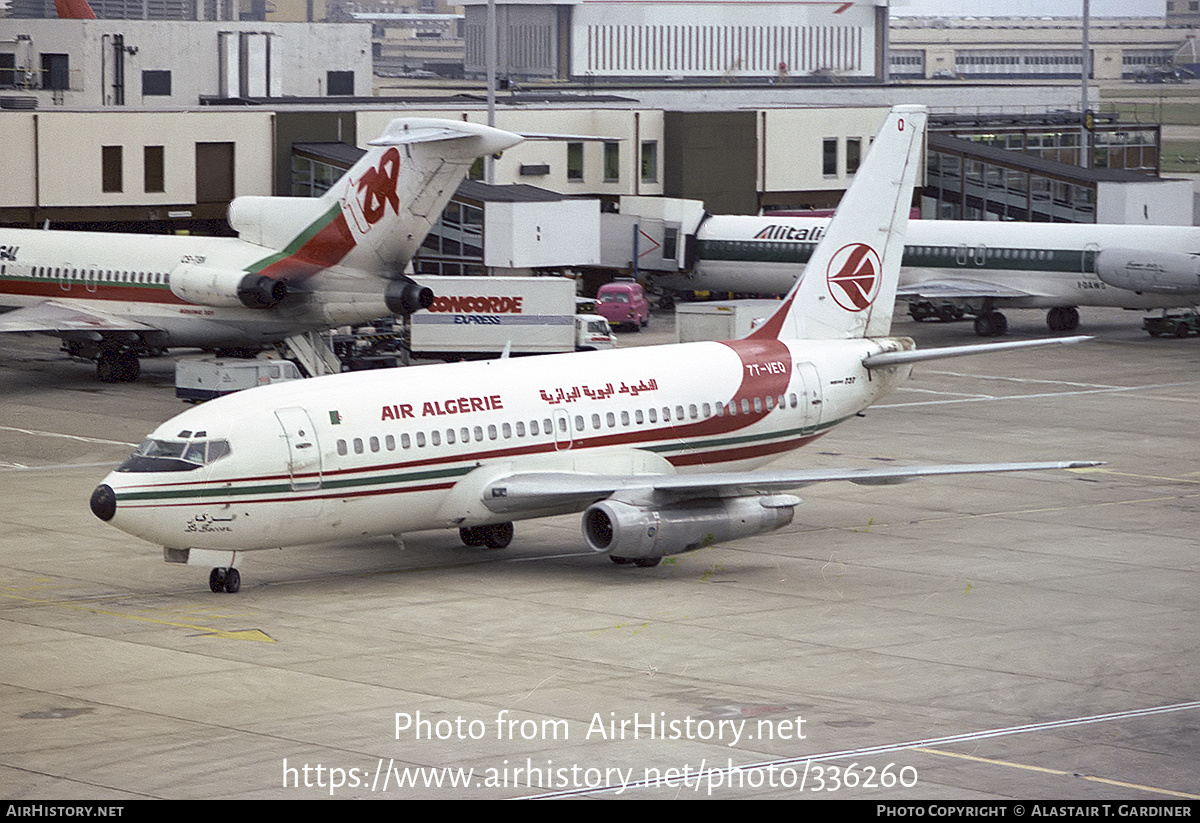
pixel 848 288
pixel 392 197
pixel 377 215
pixel 74 10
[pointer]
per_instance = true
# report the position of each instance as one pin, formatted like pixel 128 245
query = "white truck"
pixel 477 317
pixel 203 378
pixel 720 320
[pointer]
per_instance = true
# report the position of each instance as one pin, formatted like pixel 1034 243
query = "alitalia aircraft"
pixel 297 265
pixel 654 445
pixel 952 267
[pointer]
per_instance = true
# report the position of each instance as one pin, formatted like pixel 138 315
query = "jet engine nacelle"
pixel 405 296
pixel 1155 272
pixel 208 286
pixel 635 532
pixel 271 221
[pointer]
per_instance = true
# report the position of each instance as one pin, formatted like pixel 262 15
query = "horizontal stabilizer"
pixel 897 358
pixel 408 131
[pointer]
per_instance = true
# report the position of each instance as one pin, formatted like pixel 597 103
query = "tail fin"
pixel 377 215
pixel 74 10
pixel 848 288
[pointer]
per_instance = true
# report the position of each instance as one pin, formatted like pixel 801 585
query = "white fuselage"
pixel 1051 264
pixel 411 449
pixel 128 277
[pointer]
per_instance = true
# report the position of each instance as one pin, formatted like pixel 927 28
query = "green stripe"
pixel 1070 261
pixel 345 484
pixel 298 243
pixel 281 488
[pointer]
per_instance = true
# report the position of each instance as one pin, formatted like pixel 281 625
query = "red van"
pixel 623 304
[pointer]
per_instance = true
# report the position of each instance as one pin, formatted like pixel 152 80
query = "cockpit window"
pixel 174 455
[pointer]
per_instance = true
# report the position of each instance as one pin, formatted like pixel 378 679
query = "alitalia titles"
pixel 802 235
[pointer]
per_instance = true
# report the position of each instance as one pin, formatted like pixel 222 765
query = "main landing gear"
pixel 1062 318
pixel 117 366
pixel 640 562
pixel 991 324
pixel 494 536
pixel 225 580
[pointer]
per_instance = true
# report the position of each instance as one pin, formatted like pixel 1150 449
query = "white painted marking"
pixel 37 433
pixel 703 774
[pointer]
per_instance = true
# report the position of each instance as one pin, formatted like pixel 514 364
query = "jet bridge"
pixel 651 235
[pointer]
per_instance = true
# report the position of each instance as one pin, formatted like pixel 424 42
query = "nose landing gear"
pixel 225 579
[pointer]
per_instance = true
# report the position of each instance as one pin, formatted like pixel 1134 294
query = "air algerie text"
pixel 436 408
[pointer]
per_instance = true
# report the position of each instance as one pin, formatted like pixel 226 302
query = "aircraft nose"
pixel 104 502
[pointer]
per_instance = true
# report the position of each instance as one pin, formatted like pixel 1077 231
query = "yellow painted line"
pixel 1102 470
pixel 206 631
pixel 1119 783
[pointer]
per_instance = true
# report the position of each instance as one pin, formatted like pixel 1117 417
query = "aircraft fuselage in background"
pixel 977 265
pixel 297 265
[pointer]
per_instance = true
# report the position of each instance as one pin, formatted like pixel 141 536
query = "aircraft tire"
pixel 498 535
pixel 233 581
pixel 1062 318
pixel 129 368
pixel 216 579
pixel 991 324
pixel 106 367
pixel 117 367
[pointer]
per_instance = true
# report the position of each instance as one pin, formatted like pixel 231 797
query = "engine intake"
pixel 1153 272
pixel 626 530
pixel 208 286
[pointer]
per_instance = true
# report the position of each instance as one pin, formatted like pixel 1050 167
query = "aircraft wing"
pixel 53 317
pixel 535 491
pixel 959 289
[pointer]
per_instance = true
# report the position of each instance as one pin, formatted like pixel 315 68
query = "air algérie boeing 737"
pixel 656 446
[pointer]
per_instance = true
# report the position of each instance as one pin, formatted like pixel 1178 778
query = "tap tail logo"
pixel 368 197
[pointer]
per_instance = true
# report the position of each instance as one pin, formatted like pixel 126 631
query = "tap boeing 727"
pixel 298 264
pixel 654 445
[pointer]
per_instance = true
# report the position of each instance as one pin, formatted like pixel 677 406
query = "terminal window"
pixel 111 178
pixel 575 161
pixel 152 161
pixel 156 83
pixel 612 162
pixel 829 156
pixel 339 83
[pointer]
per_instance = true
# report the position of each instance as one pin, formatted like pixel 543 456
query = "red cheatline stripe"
pixel 327 247
pixel 77 291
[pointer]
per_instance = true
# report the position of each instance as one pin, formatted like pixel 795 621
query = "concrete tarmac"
pixel 970 638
